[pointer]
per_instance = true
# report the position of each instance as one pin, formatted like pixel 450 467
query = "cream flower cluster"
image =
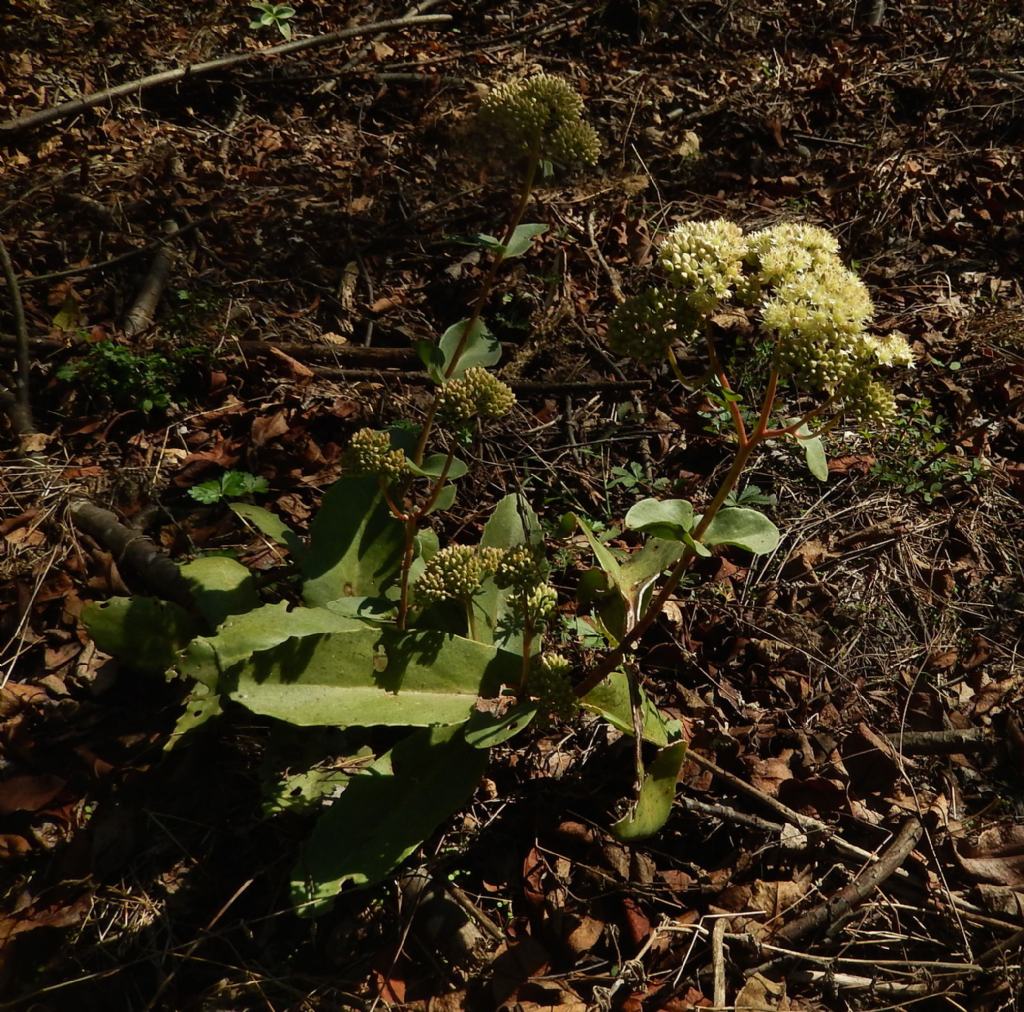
pixel 704 259
pixel 541 115
pixel 456 573
pixel 800 293
pixel 369 453
pixel 818 318
pixel 476 393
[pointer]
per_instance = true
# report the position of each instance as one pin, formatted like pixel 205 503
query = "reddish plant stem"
pixel 746 446
pixel 734 408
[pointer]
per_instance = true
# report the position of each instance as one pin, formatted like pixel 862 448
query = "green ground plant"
pixel 456 644
pixel 147 381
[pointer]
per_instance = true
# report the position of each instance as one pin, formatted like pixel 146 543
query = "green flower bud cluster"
pixel 550 685
pixel 476 393
pixel 369 453
pixel 543 116
pixel 521 568
pixel 645 325
pixel 456 573
pixel 867 401
pixel 704 259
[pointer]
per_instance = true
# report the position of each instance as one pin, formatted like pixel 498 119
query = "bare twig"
pixel 838 906
pixel 194 70
pixel 140 316
pixel 971 739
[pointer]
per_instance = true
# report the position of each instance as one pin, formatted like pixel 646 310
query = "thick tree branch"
pixel 194 70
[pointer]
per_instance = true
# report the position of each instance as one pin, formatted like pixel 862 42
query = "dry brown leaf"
pixel 760 994
pixel 996 855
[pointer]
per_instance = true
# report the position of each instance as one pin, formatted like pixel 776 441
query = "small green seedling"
pixel 230 485
pixel 276 15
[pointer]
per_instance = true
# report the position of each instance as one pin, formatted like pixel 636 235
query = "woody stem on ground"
pixel 745 447
pixel 481 300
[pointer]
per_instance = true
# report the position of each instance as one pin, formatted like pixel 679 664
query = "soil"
pixel 315 213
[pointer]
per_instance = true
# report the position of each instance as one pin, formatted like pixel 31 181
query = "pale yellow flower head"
pixel 704 261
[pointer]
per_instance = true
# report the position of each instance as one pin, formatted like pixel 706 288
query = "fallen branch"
pixel 132 550
pixel 195 70
pixel 971 739
pixel 140 316
pixel 837 907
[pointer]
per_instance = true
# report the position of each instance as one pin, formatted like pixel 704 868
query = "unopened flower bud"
pixel 369 453
pixel 455 573
pixel 542 116
pixel 869 402
pixel 645 326
pixel 476 393
pixel 550 685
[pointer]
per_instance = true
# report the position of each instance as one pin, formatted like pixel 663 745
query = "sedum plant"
pixel 449 642
pixel 781 296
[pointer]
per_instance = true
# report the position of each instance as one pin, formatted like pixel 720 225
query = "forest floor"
pixel 323 200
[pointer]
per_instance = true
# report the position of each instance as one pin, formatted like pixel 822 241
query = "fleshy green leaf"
pixel 484 730
pixel 241 636
pixel 433 467
pixel 385 813
pixel 367 676
pixel 512 523
pixel 201 705
pixel 355 547
pixel 522 239
pixel 220 587
pixel 610 699
pixel 143 632
pixel 271 525
pixel 670 519
pixel 481 348
pixel 814 451
pixel 444 500
pixel 744 528
pixel 654 805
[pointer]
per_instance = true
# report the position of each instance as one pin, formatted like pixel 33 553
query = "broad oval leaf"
pixel 610 699
pixel 744 528
pixel 385 813
pixel 669 519
pixel 814 452
pixel 658 791
pixel 355 544
pixel 271 525
pixel 364 676
pixel 522 239
pixel 444 499
pixel 433 467
pixel 143 632
pixel 484 730
pixel 482 348
pixel 220 587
